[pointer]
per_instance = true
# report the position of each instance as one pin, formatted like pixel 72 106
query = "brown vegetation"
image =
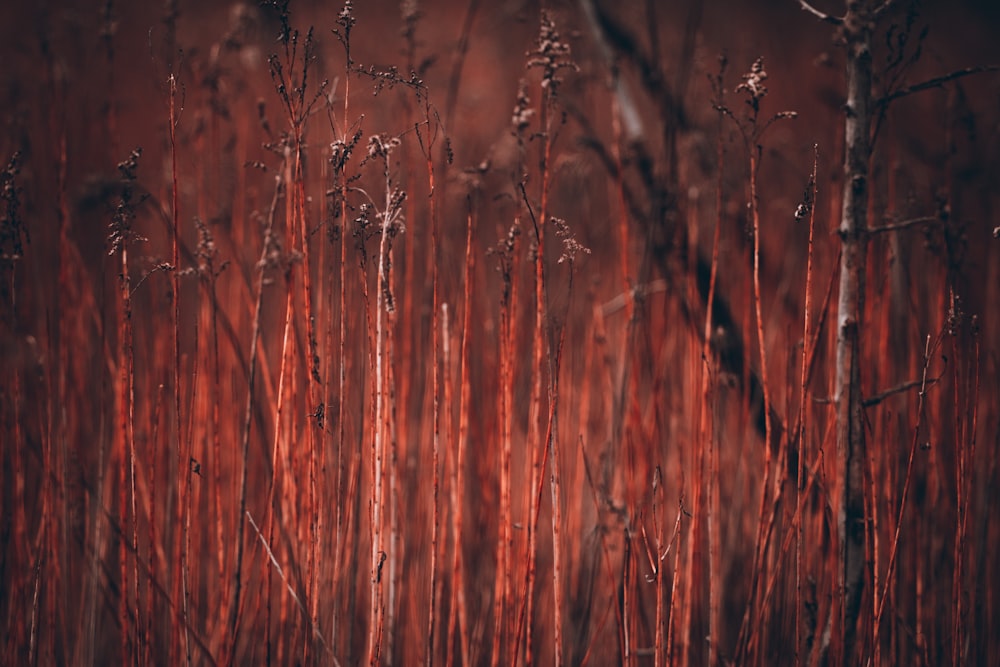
pixel 496 333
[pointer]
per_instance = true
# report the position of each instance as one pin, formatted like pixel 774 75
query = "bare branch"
pixel 618 38
pixel 899 389
pixel 882 9
pixel 618 302
pixel 288 585
pixel 823 16
pixel 905 224
pixel 936 82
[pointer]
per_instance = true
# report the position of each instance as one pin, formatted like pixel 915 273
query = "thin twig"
pixel 929 349
pixel 936 82
pixel 288 585
pixel 883 8
pixel 905 224
pixel 878 398
pixel 823 16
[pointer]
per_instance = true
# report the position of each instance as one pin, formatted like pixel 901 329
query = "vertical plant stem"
pixel 755 154
pixel 342 497
pixel 276 509
pixel 175 278
pixel 803 405
pixel 929 349
pixel 464 410
pixel 313 512
pixel 383 306
pixel 659 630
pixel 505 537
pixel 534 429
pixel 853 232
pixel 457 604
pixel 394 526
pixel 436 340
pixel 125 410
pixel 555 482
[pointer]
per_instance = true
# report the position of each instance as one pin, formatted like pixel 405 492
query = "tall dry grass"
pixel 508 335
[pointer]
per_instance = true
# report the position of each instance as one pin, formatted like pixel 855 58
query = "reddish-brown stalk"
pixel 656 565
pixel 326 535
pixel 464 411
pixel 628 601
pixel 342 498
pixel 436 343
pixel 538 349
pixel 465 391
pixel 583 569
pixel 555 480
pixel 372 422
pixel 278 457
pixel 505 538
pixel 807 207
pixel 539 450
pixel 525 621
pixel 753 130
pixel 535 458
pixel 511 309
pixel 190 435
pixel 551 55
pixel 674 581
pixel 380 148
pixel 434 601
pixel 313 512
pixel 325 305
pixel 873 542
pixel 215 397
pixel 755 155
pixel 395 571
pixel 457 602
pixel 175 286
pixel 122 235
pixel 153 546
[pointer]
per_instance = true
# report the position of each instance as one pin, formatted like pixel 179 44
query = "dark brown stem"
pixel 851 457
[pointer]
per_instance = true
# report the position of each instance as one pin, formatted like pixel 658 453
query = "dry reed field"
pixel 460 332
